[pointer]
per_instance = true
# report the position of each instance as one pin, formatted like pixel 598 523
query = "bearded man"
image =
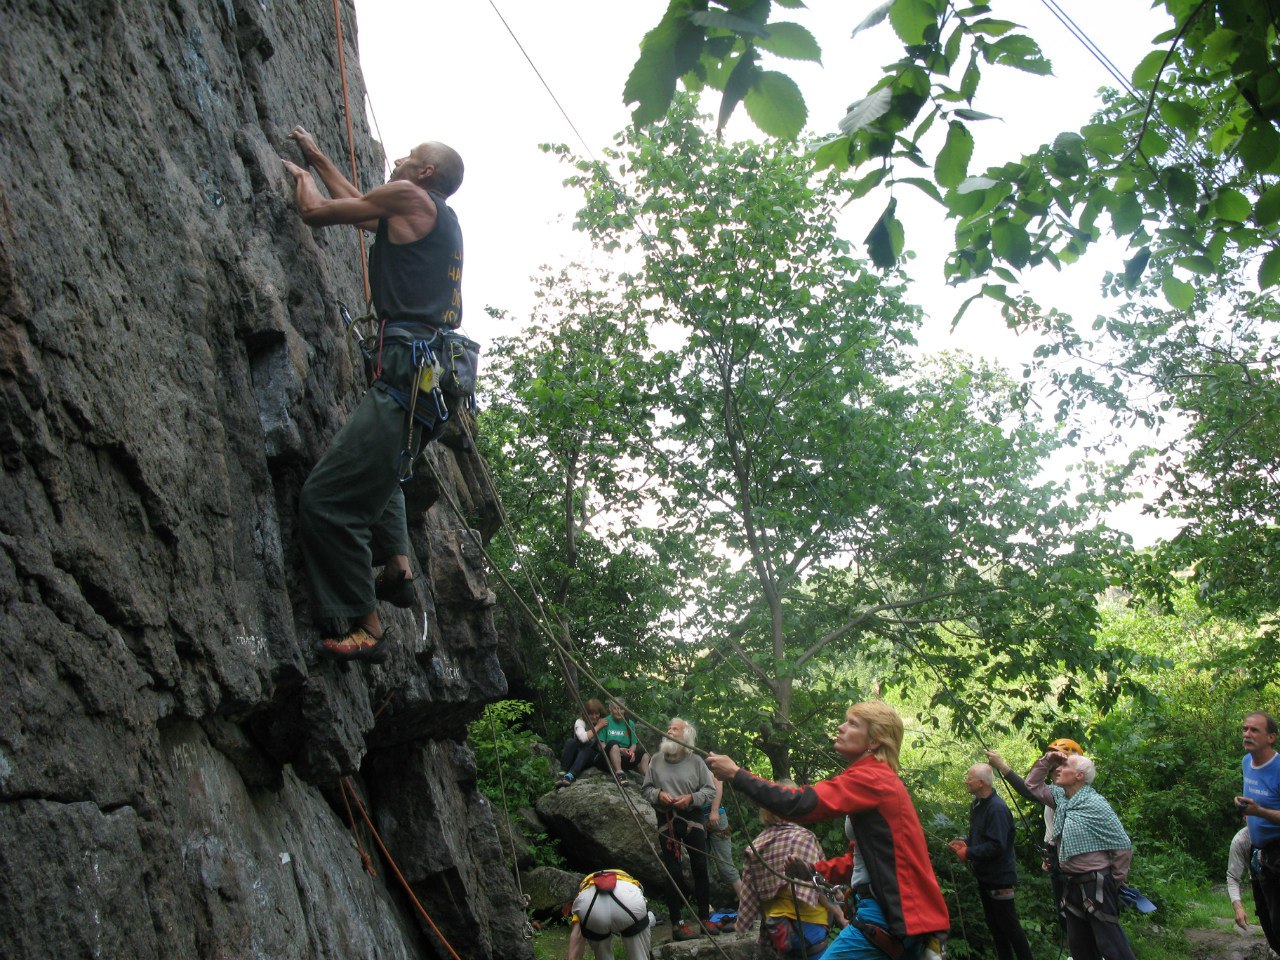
pixel 679 785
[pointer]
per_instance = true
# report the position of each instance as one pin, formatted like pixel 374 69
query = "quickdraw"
pixel 363 332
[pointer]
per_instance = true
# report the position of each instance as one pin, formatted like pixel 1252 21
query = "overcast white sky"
pixel 450 71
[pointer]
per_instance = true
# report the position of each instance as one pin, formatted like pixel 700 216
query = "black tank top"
pixel 420 282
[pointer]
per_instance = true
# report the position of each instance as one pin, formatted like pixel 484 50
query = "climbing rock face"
pixel 171 366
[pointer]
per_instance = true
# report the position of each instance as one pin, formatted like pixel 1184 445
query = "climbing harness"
pixel 1093 902
pixel 445 364
pixel 606 881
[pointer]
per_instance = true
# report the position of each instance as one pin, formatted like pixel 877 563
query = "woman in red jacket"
pixel 899 903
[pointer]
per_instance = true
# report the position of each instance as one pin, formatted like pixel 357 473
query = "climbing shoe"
pixel 396 590
pixel 711 928
pixel 358 644
pixel 682 931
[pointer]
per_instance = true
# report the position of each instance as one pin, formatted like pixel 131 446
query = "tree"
pixel 1208 85
pixel 1182 165
pixel 569 409
pixel 854 492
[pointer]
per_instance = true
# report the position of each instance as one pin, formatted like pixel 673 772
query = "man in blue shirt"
pixel 1260 804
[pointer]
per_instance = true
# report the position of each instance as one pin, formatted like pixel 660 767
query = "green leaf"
pixel 998 291
pixel 972 75
pixel 832 153
pixel 966 114
pixel 791 41
pixel 1126 213
pixel 1229 204
pixel 1011 243
pixel 1180 185
pixel 874 17
pixel 975 183
pixel 927 187
pixel 1133 267
pixel 953 159
pixel 1269 270
pixel 1145 72
pixel 776 105
pixel 1180 294
pixel 718 19
pixel 667 52
pixel 1103 139
pixel 1180 115
pixel 1221 46
pixel 1020 52
pixel 865 185
pixel 884 242
pixel 1267 210
pixel 1260 147
pixel 1153 144
pixel 735 88
pixel 992 28
pixel 911 18
pixel 1197 263
pixel 866 111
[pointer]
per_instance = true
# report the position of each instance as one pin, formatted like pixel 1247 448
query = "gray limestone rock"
pixel 549 888
pixel 737 946
pixel 171 366
pixel 597 826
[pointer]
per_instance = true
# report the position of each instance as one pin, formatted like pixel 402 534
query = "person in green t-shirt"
pixel 621 745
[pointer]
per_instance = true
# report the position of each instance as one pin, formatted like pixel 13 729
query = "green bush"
pixel 511 770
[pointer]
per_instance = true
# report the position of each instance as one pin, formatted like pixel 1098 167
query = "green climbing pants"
pixel 351 514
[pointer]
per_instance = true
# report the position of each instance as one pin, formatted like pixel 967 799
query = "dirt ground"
pixel 1228 944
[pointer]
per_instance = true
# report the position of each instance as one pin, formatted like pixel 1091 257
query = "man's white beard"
pixel 674 752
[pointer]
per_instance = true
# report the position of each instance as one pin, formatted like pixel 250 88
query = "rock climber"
pixel 352 513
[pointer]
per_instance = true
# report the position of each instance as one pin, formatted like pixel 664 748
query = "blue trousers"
pixel 853 945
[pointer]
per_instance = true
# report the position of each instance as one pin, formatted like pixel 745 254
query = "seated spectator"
pixel 621 745
pixel 583 748
pixel 795 916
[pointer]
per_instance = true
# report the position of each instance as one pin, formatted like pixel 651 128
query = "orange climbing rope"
pixel 351 143
pixel 348 789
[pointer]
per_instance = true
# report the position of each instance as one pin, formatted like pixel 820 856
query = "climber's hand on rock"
pixel 311 151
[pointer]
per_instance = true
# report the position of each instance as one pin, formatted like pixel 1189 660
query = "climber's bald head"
pixel 436 166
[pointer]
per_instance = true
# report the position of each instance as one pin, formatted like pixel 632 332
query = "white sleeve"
pixel 1238 863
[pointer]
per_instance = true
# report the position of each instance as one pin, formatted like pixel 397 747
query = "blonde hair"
pixel 767 816
pixel 595 706
pixel 883 724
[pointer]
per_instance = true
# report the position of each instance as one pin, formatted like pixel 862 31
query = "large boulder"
pixel 549 888
pixel 598 826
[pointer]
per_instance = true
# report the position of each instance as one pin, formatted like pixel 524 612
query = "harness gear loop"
pixel 357 332
pixel 405 468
